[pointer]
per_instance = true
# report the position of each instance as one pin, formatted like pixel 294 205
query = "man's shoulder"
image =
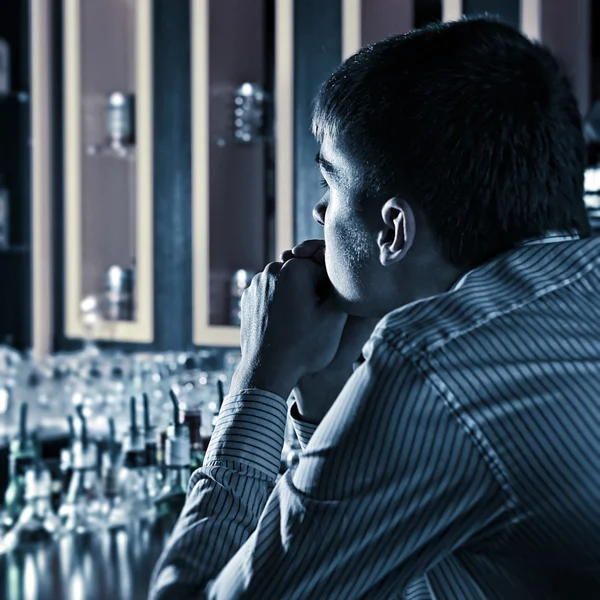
pixel 505 285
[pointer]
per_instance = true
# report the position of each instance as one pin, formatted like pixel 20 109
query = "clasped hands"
pixel 294 334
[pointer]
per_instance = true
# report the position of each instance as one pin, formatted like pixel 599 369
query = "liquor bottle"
pixel 194 398
pixel 153 477
pixel 111 467
pixel 132 479
pixel 37 523
pixel 21 455
pixel 66 459
pixel 215 417
pixel 84 508
pixel 172 495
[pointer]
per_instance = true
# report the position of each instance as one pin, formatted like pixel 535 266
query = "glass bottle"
pixel 132 483
pixel 132 479
pixel 21 455
pixel 215 407
pixel 111 467
pixel 84 508
pixel 194 395
pixel 37 523
pixel 66 459
pixel 172 495
pixel 153 476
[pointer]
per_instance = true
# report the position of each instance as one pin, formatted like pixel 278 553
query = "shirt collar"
pixel 552 237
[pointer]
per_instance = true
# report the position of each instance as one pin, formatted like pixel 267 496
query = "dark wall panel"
pixel 317 47
pixel 172 176
pixel 509 10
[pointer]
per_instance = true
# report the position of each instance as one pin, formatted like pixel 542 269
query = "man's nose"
pixel 319 210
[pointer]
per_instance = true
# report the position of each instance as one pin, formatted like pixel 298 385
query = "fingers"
pixel 287 255
pixel 307 248
pixel 273 268
pixel 297 265
pixel 314 249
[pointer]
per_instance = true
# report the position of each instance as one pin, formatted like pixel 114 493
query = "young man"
pixel 461 459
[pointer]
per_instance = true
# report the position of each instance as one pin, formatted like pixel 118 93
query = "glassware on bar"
pixel 84 508
pixel 194 395
pixel 132 479
pixel 66 459
pixel 21 457
pixel 153 476
pixel 37 523
pixel 10 364
pixel 172 495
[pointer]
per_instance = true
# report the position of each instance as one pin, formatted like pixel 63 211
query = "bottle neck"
pixel 177 477
pixel 83 477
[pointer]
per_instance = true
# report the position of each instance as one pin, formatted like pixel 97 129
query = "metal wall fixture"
pixel 249 113
pixel 119 127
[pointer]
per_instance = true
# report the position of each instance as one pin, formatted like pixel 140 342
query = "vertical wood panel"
pixel 531 18
pixel 352 26
pixel 284 120
pixel 452 10
pixel 41 168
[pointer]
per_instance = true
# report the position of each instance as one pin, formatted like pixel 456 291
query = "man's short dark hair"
pixel 472 121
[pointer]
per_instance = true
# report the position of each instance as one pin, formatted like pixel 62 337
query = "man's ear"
pixel 397 231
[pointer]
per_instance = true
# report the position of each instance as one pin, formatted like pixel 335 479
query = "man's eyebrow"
pixel 324 164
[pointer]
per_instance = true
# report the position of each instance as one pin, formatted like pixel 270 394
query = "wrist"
pixel 250 375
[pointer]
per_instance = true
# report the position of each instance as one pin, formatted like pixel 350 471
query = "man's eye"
pixel 323 183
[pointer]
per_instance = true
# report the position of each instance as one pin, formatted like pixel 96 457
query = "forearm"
pixel 227 495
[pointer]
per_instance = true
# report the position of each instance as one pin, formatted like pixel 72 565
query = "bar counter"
pixel 112 565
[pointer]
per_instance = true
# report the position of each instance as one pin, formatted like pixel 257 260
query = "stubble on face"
pixel 350 256
pixel 351 253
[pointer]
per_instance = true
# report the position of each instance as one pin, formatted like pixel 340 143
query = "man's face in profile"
pixel 351 223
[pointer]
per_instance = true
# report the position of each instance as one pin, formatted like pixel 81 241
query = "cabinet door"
pixel 242 77
pixel 108 169
pixel 368 21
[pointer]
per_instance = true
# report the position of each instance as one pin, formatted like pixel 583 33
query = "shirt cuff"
pixel 250 430
pixel 304 431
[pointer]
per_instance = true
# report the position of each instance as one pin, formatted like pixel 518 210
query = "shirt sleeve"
pixel 389 484
pixel 226 496
pixel 304 430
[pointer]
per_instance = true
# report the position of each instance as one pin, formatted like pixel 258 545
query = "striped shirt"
pixel 461 460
